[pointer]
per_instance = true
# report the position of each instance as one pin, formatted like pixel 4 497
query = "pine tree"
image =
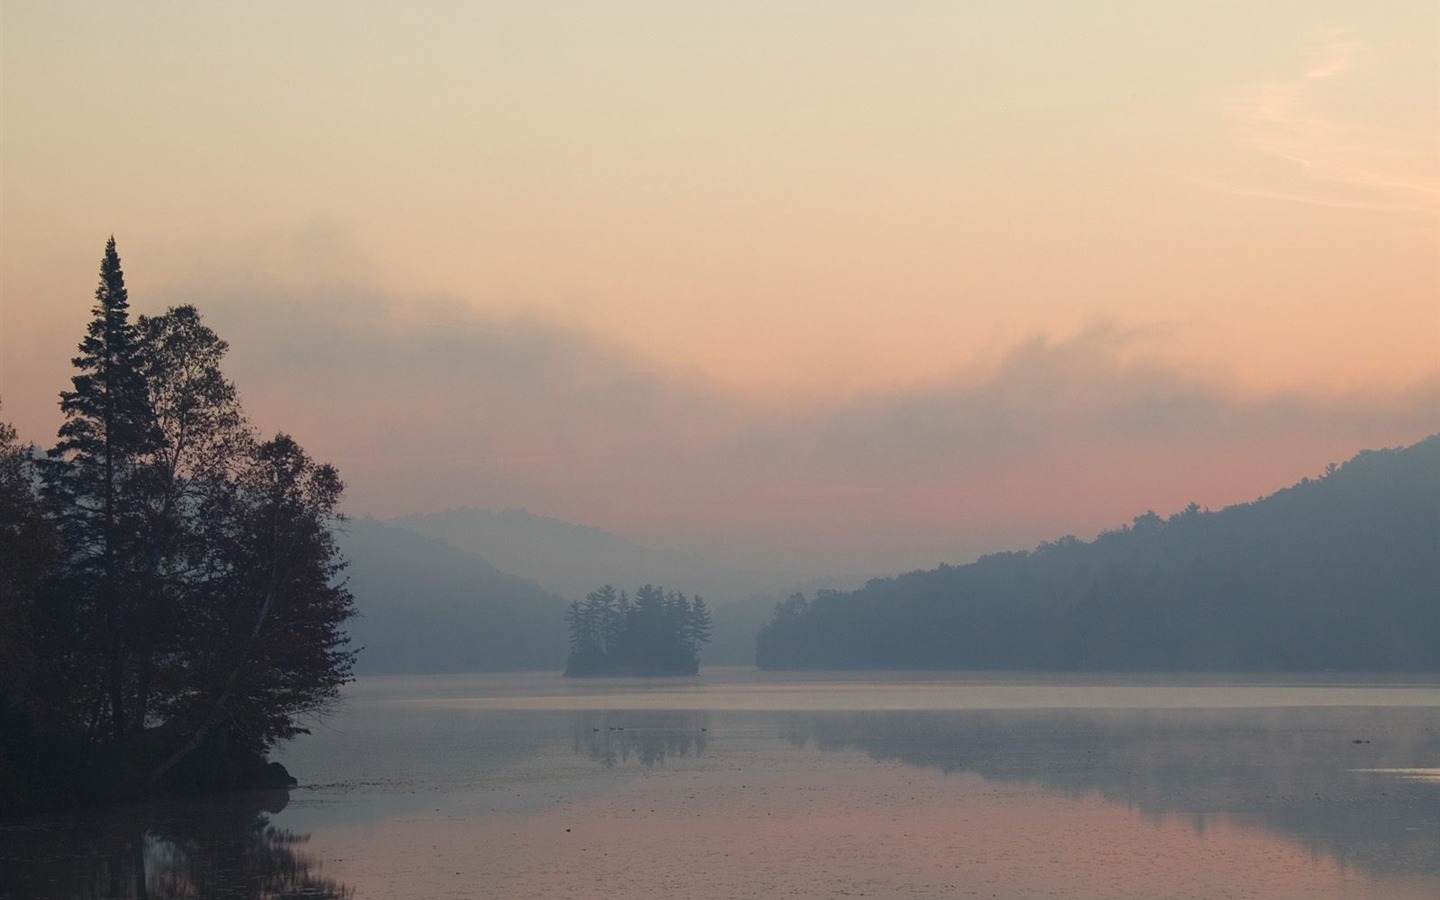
pixel 659 633
pixel 697 631
pixel 108 430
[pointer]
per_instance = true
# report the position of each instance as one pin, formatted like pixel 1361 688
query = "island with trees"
pixel 171 604
pixel 658 632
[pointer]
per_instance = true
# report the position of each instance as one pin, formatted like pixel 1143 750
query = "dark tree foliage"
pixel 27 558
pixel 93 487
pixel 175 586
pixel 659 632
pixel 28 554
pixel 263 640
pixel 1339 572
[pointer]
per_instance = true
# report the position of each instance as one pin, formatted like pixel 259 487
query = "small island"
pixel 658 632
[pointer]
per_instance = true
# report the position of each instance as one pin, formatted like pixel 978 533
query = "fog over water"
pixel 895 352
pixel 746 785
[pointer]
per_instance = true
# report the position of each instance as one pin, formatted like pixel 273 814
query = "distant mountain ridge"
pixel 424 606
pixel 1340 572
pixel 571 560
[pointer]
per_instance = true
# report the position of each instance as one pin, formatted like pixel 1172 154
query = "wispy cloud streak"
pixel 1340 162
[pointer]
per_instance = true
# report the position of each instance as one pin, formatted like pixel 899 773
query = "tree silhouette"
pixel 658 633
pixel 109 427
pixel 179 576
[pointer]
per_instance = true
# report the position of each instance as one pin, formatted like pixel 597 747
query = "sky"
pixel 843 286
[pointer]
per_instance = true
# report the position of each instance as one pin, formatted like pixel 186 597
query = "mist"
pixel 720 450
pixel 428 404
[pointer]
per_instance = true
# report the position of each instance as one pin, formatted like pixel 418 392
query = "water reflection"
pixel 1300 772
pixel 648 737
pixel 224 849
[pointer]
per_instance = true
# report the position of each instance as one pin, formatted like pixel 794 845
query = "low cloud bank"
pixel 428 405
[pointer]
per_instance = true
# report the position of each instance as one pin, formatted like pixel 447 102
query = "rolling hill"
pixel 1340 572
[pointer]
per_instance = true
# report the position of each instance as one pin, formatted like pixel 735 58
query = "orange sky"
pixel 916 276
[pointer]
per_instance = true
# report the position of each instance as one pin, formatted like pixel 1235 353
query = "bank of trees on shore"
pixel 658 632
pixel 170 605
pixel 1339 572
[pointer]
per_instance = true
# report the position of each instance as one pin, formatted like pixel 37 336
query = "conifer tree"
pixel 658 633
pixel 109 427
pixel 697 631
pixel 197 583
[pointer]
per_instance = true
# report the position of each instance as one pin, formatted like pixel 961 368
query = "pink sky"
pixel 856 285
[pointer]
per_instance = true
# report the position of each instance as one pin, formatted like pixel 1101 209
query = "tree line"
pixel 1337 572
pixel 169 580
pixel 658 632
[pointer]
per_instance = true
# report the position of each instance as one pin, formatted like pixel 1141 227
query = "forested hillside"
pixel 570 560
pixel 1338 572
pixel 424 606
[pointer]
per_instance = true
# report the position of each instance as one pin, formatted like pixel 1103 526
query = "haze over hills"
pixel 1340 572
pixel 570 560
pixel 1337 572
pixel 425 606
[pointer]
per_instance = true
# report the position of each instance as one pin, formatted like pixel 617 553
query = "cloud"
pixel 428 379
pixel 1340 160
pixel 429 405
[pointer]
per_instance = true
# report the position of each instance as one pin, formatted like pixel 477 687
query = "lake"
pixel 740 784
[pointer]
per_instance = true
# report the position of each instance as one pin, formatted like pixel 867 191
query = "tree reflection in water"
pixel 1314 775
pixel 648 737
pixel 223 848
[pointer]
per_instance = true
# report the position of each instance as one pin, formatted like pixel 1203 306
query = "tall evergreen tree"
pixel 197 583
pixel 697 628
pixel 109 428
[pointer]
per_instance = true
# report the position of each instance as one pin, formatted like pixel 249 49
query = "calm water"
pixel 744 785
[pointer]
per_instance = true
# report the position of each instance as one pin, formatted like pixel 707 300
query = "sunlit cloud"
pixel 1065 433
pixel 1315 199
pixel 1341 162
